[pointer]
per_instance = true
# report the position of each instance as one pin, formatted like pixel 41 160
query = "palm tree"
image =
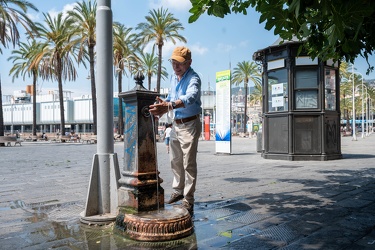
pixel 160 26
pixel 26 63
pixel 84 16
pixel 244 72
pixel 59 55
pixel 124 57
pixel 149 64
pixel 11 17
pixel 256 96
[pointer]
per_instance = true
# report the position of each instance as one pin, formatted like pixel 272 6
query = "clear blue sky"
pixel 215 43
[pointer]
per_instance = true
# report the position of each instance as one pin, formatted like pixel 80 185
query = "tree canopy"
pixel 335 29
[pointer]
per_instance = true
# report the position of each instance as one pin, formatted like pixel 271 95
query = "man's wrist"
pixel 174 105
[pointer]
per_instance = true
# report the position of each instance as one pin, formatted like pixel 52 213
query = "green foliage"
pixel 160 26
pixel 11 17
pixel 336 29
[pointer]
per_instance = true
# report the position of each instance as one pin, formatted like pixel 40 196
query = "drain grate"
pixel 66 213
pixel 217 213
pixel 243 231
pixel 248 217
pixel 280 232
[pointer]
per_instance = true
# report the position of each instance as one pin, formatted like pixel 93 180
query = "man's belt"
pixel 187 119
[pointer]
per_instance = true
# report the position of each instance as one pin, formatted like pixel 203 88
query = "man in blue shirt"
pixel 185 101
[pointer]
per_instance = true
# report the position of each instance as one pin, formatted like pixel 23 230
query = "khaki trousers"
pixel 183 155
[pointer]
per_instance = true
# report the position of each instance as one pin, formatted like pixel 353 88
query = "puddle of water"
pixel 56 225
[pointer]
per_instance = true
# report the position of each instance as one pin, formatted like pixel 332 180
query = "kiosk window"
pixel 278 90
pixel 306 89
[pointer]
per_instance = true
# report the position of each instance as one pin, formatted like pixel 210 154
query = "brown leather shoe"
pixel 175 197
pixel 189 207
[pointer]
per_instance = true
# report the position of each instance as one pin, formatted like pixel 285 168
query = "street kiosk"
pixel 301 104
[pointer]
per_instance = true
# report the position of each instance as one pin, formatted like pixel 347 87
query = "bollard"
pixel 259 142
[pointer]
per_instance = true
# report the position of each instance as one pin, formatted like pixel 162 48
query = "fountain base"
pixel 169 223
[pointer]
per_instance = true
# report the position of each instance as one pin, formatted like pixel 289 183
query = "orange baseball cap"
pixel 181 54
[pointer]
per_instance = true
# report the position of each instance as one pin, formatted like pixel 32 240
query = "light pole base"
pixel 102 201
pixel 102 219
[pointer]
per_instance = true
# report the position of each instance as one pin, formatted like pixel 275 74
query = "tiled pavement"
pixel 242 200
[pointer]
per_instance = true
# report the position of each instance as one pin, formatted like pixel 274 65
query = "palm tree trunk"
pixel 120 118
pixel 34 102
pixel 245 117
pixel 93 89
pixel 160 48
pixel 61 98
pixel 149 81
pixel 347 119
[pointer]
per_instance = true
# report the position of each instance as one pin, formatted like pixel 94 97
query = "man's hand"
pixel 159 108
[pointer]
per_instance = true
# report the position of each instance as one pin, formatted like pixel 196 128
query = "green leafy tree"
pixel 10 17
pixel 160 26
pixel 84 23
pixel 124 57
pixel 26 62
pixel 243 73
pixel 332 29
pixel 60 54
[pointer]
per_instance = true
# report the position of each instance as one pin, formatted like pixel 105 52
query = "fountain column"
pixel 142 214
pixel 140 183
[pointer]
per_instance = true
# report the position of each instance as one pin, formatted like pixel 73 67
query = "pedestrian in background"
pixel 167 135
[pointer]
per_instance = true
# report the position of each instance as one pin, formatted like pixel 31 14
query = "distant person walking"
pixel 167 135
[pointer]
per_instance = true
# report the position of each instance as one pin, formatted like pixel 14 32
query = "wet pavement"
pixel 242 200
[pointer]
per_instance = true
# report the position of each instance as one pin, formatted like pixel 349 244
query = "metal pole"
pixel 104 76
pixel 353 99
pixel 367 114
pixel 363 114
pixel 102 200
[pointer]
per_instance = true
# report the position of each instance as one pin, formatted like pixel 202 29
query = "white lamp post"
pixel 371 115
pixel 353 115
pixel 366 110
pixel 367 113
pixel 363 113
pixel 363 108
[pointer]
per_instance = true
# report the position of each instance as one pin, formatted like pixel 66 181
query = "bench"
pixel 53 138
pixel 88 139
pixel 65 138
pixel 30 138
pixel 118 137
pixel 7 140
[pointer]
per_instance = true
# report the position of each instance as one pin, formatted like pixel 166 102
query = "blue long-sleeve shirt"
pixel 188 90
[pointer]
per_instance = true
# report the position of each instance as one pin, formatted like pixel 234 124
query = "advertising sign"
pixel 223 136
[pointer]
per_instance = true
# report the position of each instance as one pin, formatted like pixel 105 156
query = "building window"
pixel 277 90
pixel 306 89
